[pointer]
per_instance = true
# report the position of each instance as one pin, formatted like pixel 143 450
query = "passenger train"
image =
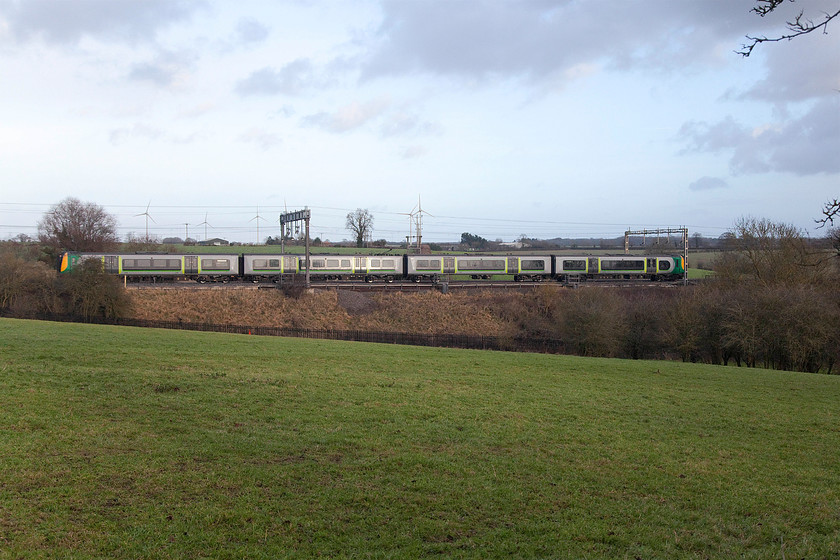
pixel 370 268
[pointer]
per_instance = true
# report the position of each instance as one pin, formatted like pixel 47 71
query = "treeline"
pixel 790 328
pixel 774 302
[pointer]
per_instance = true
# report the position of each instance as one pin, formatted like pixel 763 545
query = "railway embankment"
pixel 427 312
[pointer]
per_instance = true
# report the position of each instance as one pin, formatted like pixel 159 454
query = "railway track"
pixel 399 286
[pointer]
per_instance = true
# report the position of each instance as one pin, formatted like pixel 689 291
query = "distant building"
pixel 215 242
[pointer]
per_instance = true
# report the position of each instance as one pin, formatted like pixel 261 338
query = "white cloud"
pixel 348 117
pixel 261 138
pixel 806 145
pixel 708 183
pixel 167 69
pixel 291 79
pixel 249 32
pixel 120 136
pixel 66 22
pixel 402 123
pixel 411 152
pixel 538 39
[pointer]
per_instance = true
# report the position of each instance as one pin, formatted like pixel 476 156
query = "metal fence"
pixel 513 344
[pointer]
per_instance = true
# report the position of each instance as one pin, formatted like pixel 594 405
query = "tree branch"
pixel 831 210
pixel 799 26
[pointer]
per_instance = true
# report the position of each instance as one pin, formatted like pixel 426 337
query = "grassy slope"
pixel 134 443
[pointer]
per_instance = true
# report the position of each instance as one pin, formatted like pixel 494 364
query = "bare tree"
pixel 800 25
pixel 74 225
pixel 770 253
pixel 360 222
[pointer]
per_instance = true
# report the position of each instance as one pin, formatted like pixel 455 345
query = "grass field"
pixel 130 443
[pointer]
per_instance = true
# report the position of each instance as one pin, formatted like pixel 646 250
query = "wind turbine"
pixel 415 219
pixel 257 218
pixel 148 217
pixel 205 224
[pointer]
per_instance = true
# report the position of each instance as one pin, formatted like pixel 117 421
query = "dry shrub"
pixel 433 313
pixel 26 288
pixel 356 303
pixel 592 322
pixel 317 310
pixel 645 320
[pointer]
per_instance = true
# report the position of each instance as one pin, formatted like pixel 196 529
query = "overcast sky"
pixel 545 118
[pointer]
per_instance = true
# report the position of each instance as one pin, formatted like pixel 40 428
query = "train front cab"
pixel 669 268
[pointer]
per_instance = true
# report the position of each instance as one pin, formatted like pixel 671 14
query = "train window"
pixel 332 263
pixel 388 263
pixel 532 264
pixel 623 264
pixel 266 263
pixel 664 266
pixel 151 264
pixel 375 263
pixel 574 265
pixel 318 263
pixel 345 263
pixel 215 264
pixel 481 264
pixel 430 264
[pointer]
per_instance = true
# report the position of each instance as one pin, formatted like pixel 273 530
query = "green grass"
pixel 131 443
pixel 699 274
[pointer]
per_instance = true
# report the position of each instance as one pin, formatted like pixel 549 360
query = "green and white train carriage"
pixel 202 268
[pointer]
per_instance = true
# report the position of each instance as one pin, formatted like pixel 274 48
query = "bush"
pixel 26 288
pixel 90 292
pixel 592 322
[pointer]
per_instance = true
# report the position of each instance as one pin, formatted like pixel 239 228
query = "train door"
pixel 360 265
pixel 593 266
pixel 191 264
pixel 449 265
pixel 512 265
pixel 112 264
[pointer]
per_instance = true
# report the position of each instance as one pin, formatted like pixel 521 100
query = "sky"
pixel 543 118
